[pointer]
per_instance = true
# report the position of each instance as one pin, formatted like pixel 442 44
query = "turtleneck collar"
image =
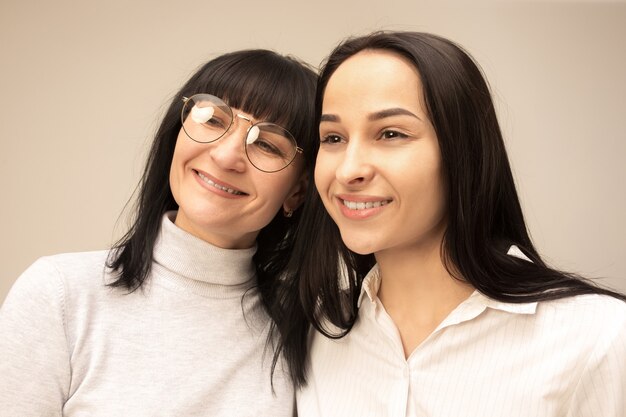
pixel 199 265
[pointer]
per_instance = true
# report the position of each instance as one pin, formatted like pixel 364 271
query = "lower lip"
pixel 359 214
pixel 216 190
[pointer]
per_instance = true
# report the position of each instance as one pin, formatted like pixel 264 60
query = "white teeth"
pixel 228 190
pixel 353 205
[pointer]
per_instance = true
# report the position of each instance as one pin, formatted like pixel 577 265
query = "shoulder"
pixel 601 323
pixel 75 262
pixel 44 314
pixel 54 292
pixel 54 276
pixel 598 319
pixel 588 305
pixel 43 293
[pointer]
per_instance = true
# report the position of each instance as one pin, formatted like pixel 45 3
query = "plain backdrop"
pixel 83 85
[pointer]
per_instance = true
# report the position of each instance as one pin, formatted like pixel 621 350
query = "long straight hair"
pixel 259 82
pixel 484 216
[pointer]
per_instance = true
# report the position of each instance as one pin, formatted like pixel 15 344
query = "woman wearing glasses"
pixel 175 319
pixel 446 308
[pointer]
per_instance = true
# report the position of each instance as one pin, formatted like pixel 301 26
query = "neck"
pixel 417 290
pixel 418 279
pixel 192 258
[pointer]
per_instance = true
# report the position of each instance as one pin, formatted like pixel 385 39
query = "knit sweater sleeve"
pixel 34 354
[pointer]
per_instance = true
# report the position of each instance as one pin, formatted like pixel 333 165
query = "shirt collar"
pixel 474 305
pixel 517 308
pixel 370 286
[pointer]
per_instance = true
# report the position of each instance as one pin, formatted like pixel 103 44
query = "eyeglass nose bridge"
pixel 247 119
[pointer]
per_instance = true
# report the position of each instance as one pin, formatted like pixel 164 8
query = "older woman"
pixel 174 319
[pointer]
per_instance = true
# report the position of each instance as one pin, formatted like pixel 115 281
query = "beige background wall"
pixel 83 85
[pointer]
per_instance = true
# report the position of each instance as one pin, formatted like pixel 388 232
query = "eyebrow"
pixel 382 114
pixel 330 118
pixel 397 111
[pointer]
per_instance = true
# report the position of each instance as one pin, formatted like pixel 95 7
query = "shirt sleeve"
pixel 34 354
pixel 601 391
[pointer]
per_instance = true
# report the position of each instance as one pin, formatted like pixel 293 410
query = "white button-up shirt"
pixel 486 359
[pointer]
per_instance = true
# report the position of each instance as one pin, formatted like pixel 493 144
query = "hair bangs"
pixel 265 85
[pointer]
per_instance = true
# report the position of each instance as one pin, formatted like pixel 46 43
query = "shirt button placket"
pixel 398 404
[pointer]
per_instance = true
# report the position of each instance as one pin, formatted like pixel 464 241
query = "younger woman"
pixel 446 308
pixel 173 321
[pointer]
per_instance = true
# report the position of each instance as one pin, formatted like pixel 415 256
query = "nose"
pixel 355 168
pixel 228 151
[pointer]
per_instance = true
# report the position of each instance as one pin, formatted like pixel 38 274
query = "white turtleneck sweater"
pixel 192 342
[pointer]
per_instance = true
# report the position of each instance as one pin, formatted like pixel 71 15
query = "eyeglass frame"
pixel 185 99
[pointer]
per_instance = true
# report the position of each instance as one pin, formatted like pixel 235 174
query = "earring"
pixel 287 213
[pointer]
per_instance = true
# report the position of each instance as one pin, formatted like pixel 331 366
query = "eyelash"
pixel 328 139
pixel 396 135
pixel 388 134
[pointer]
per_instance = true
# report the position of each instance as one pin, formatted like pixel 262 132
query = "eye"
pixel 392 134
pixel 215 122
pixel 267 147
pixel 331 139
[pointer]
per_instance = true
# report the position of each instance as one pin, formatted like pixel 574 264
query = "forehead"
pixel 372 80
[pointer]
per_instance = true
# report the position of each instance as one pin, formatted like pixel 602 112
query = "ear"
pixel 296 195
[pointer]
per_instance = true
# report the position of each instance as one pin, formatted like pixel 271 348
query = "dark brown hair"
pixel 484 216
pixel 259 82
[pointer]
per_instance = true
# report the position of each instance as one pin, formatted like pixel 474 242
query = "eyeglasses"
pixel 268 147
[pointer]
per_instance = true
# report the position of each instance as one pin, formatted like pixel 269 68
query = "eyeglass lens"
pixel 268 146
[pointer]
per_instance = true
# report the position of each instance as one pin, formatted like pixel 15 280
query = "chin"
pixel 360 246
pixel 361 251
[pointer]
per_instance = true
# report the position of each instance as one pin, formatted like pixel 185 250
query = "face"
pixel 378 169
pixel 222 198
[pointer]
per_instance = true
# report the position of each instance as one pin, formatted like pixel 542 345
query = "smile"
pixel 354 205
pixel 219 187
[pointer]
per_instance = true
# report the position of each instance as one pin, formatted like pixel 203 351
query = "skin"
pixel 224 219
pixel 378 146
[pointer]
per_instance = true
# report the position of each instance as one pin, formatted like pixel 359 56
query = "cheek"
pixel 276 187
pixel 175 173
pixel 185 151
pixel 323 174
pixel 439 185
pixel 318 181
pixel 435 194
pixel 421 184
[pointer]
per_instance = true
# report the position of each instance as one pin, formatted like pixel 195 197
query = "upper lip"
pixel 219 182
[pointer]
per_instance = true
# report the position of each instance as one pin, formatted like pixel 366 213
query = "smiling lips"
pixel 218 186
pixel 361 209
pixel 354 205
